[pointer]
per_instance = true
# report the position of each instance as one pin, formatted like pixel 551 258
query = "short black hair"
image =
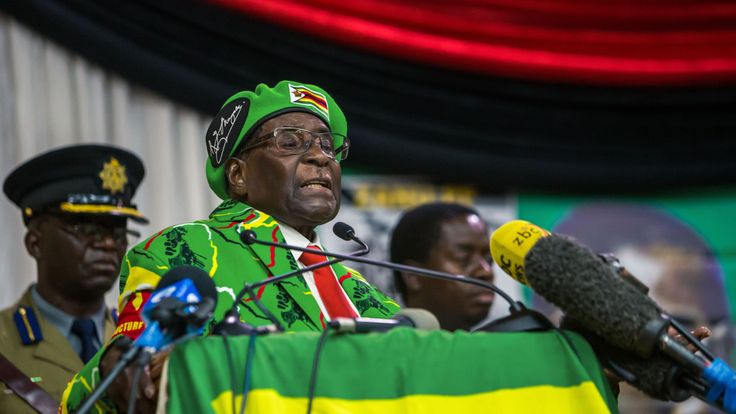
pixel 417 232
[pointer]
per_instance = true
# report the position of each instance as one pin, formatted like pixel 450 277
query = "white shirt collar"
pixel 293 237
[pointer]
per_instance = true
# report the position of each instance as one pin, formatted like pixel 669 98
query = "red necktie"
pixel 332 295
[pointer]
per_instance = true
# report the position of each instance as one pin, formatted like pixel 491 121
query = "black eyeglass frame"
pixel 340 153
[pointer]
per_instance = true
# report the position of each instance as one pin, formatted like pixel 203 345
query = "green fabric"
pixel 214 245
pixel 402 362
pixel 259 106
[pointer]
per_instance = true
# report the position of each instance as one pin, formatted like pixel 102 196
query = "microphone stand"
pixel 142 354
pixel 249 237
pixel 126 359
pixel 231 324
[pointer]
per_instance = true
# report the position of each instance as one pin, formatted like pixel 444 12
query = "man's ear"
pixel 32 240
pixel 236 178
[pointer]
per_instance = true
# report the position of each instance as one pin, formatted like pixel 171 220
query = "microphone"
pixel 178 309
pixel 409 317
pixel 231 323
pixel 343 231
pixel 347 233
pixel 181 304
pixel 517 309
pixel 587 288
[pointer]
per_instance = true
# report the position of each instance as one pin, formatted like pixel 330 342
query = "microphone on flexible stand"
pixel 521 318
pixel 409 317
pixel 347 233
pixel 231 323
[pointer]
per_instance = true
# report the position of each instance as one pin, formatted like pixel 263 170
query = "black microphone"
pixel 591 293
pixel 231 323
pixel 250 237
pixel 409 317
pixel 343 231
pixel 347 233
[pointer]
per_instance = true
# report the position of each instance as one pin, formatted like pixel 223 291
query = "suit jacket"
pixel 214 245
pixel 46 354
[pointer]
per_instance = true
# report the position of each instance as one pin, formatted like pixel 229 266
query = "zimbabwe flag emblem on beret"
pixel 301 95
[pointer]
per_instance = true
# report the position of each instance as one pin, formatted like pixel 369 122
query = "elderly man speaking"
pixel 274 158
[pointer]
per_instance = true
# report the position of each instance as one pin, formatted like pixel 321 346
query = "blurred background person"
pixel 448 238
pixel 680 269
pixel 75 202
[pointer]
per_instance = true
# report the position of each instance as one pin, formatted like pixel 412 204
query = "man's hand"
pixel 147 388
pixel 699 333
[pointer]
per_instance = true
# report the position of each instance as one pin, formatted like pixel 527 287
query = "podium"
pixel 400 371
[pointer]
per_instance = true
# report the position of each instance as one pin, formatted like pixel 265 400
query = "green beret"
pixel 245 111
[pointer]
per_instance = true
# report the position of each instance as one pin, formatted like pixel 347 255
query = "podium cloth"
pixel 401 371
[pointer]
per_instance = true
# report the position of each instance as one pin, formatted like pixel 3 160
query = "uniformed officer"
pixel 75 202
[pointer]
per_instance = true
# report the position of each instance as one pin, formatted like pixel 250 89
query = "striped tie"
pixel 335 301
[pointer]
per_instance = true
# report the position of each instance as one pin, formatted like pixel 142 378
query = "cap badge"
pixel 113 176
pixel 301 95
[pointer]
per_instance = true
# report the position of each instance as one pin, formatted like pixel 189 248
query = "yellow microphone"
pixel 510 244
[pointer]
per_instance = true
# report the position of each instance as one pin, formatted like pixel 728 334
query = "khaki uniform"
pixel 51 358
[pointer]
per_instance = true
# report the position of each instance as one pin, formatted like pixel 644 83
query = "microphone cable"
pixel 248 369
pixel 250 237
pixel 315 366
pixel 230 369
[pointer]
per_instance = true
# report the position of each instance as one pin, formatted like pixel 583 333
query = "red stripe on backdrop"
pixel 615 43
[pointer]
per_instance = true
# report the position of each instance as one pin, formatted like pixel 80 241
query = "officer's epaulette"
pixel 27 325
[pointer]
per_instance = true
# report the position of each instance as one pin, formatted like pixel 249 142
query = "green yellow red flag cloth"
pixel 402 371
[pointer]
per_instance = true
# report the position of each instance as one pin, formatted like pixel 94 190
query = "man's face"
pixel 79 256
pixel 461 249
pixel 301 190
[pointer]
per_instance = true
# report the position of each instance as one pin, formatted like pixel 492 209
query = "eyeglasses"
pixel 295 141
pixel 97 232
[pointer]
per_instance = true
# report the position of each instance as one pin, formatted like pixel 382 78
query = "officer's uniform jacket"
pixel 39 350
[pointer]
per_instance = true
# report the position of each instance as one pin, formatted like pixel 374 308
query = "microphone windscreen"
pixel 510 244
pixel 343 231
pixel 419 318
pixel 655 376
pixel 202 281
pixel 585 288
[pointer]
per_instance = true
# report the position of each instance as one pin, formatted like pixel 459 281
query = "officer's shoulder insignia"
pixel 27 325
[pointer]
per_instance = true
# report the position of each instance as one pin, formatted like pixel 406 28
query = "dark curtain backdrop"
pixel 540 95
